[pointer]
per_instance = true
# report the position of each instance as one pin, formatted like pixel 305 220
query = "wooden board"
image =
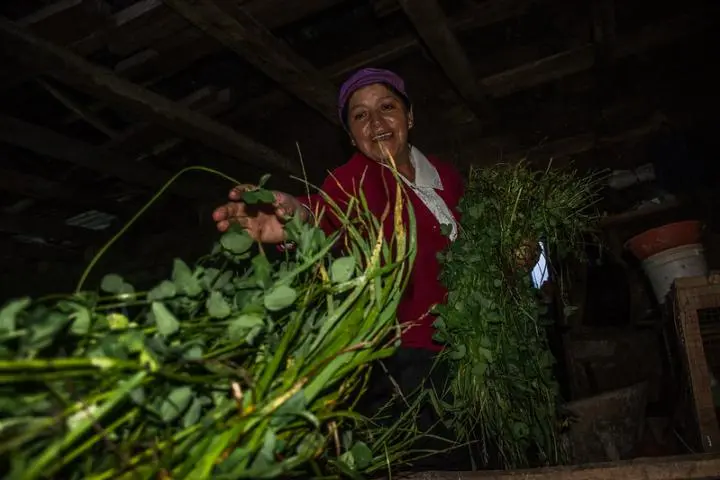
pixel 684 467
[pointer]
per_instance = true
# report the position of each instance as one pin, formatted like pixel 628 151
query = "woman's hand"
pixel 264 223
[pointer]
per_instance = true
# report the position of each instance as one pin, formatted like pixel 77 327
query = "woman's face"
pixel 376 115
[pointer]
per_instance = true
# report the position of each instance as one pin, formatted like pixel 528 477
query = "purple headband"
pixel 363 78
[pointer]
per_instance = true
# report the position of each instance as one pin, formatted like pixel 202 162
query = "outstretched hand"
pixel 264 222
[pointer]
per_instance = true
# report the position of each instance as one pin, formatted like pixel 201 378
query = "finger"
pixel 284 204
pixel 223 225
pixel 237 192
pixel 221 213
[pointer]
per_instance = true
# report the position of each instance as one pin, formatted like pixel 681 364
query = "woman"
pixel 376 112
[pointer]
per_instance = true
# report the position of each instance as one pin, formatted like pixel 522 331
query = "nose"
pixel 377 122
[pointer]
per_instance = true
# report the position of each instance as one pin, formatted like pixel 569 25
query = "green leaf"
pixel 217 306
pixel 240 325
pixel 81 320
pixel 112 283
pixel 280 297
pixel 9 313
pixel 262 270
pixel 184 279
pixel 263 180
pixel 459 352
pixel 259 196
pixel 342 269
pixel 166 289
pixel 362 455
pixel 176 403
pixel 193 414
pixel 236 242
pixel 117 321
pixel 166 322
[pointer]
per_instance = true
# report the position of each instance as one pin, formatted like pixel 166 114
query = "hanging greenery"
pixel 503 391
pixel 240 366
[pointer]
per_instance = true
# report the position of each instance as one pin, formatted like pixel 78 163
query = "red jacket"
pixel 424 289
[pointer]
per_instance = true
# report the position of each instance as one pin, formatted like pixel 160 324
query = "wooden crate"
pixel 696 313
pixel 601 359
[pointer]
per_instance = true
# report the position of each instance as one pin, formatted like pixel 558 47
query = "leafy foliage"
pixel 503 385
pixel 240 366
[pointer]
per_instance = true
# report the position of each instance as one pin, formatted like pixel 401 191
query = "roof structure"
pixel 103 101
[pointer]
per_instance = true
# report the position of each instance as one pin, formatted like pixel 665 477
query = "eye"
pixel 387 107
pixel 359 115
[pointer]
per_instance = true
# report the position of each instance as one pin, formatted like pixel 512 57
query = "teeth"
pixel 382 137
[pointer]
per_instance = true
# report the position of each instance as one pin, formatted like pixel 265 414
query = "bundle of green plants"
pixel 240 366
pixel 503 394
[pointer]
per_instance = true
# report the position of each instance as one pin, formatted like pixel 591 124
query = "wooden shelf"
pixel 612 220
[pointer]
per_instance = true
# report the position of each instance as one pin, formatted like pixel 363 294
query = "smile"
pixel 382 137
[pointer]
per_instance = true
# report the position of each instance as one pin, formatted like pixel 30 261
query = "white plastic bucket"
pixel 663 268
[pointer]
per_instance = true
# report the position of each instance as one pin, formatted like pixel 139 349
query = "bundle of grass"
pixel 503 388
pixel 237 367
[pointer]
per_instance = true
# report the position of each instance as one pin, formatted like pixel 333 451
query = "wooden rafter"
pixel 560 148
pixel 429 20
pixel 603 19
pixel 583 58
pixel 486 13
pixel 45 227
pixel 45 142
pixel 271 13
pixel 512 80
pixel 235 28
pixel 31 185
pixel 101 82
pixel 79 110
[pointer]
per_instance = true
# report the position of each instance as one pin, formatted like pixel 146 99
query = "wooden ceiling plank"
pixel 487 13
pixel 432 26
pixel 563 147
pixel 235 28
pixel 79 110
pixel 138 13
pixel 514 79
pixel 31 185
pixel 46 142
pixel 583 58
pixel 48 11
pixel 104 84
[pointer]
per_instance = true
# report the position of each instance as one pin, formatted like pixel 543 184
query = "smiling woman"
pixel 377 114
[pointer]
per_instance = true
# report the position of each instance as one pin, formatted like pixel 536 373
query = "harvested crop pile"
pixel 503 392
pixel 237 367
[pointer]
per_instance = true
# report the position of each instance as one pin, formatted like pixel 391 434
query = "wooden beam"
pixel 429 20
pixel 271 13
pixel 79 110
pixel 31 185
pixel 232 26
pixel 583 58
pixel 45 142
pixel 514 79
pixel 603 19
pixel 48 228
pixel 683 467
pixel 486 13
pixel 556 149
pixel 101 82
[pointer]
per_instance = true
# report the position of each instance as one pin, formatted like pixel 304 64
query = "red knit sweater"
pixel 424 289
